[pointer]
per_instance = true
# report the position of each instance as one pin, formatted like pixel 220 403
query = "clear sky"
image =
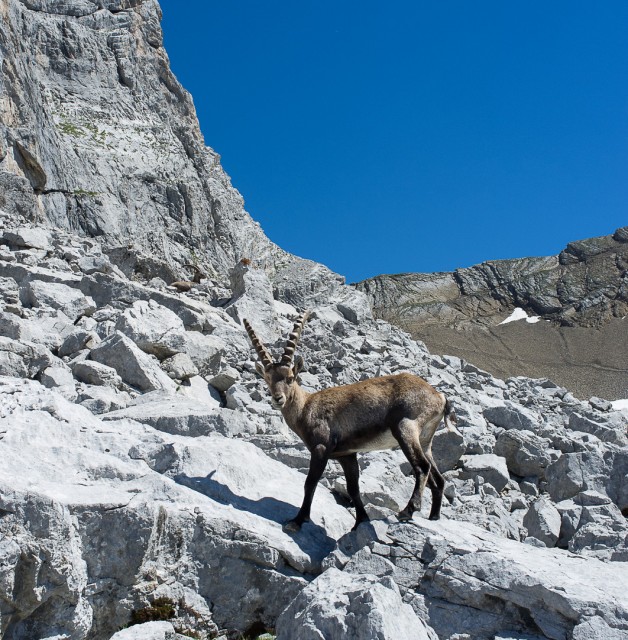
pixel 386 137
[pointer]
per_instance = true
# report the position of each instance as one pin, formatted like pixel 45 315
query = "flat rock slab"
pixel 181 416
pixel 101 517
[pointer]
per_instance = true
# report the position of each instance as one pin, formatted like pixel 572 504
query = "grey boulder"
pixel 179 366
pixel 526 453
pixel 24 359
pixel 543 522
pixel 491 468
pixel 343 605
pixel 57 296
pixel 253 300
pixel 161 630
pixel 28 238
pixel 153 328
pixel 96 373
pixel 511 416
pixel 135 367
pixel 573 473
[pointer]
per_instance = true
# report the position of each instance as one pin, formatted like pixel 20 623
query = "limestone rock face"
pixel 98 136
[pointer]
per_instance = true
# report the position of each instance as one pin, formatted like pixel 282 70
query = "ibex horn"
pixel 293 339
pixel 262 352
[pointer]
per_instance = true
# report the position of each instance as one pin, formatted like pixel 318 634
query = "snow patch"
pixel 620 404
pixel 520 314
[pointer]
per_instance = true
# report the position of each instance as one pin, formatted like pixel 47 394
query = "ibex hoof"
pixel 404 515
pixel 359 522
pixel 434 516
pixel 292 526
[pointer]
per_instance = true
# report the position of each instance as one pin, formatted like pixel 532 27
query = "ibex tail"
pixel 450 417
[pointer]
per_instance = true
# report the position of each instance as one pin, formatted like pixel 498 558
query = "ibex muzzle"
pixel 380 413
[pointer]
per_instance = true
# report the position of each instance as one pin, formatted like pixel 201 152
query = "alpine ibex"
pixel 380 413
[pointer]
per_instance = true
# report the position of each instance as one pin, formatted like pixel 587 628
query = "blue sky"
pixel 413 136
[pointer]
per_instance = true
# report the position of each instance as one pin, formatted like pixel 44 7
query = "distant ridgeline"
pixel 582 293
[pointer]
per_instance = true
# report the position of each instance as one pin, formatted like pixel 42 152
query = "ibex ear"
pixel 259 367
pixel 298 366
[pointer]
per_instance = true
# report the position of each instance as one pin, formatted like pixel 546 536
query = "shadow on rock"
pixel 312 539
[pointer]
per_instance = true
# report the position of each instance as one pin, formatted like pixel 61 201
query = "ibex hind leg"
pixel 407 434
pixel 437 487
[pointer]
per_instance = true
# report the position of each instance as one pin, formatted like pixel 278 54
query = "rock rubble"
pixel 131 477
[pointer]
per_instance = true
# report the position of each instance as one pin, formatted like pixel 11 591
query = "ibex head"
pixel 279 376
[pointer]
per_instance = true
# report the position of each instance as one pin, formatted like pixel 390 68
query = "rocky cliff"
pixel 97 136
pixel 581 293
pixel 146 476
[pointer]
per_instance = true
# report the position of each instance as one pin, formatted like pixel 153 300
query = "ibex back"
pixel 380 413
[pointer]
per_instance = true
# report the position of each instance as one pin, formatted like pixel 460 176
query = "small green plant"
pixel 71 129
pixel 160 609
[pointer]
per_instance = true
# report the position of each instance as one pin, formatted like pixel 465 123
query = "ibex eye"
pixel 290 379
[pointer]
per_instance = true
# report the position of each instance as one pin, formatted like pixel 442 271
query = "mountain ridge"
pixel 582 293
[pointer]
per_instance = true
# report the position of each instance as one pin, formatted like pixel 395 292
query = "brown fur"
pixel 380 413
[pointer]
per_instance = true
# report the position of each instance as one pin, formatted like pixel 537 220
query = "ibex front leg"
pixel 318 462
pixel 351 468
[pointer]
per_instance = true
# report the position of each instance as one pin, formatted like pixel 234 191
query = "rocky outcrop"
pixel 135 488
pixel 582 293
pixel 583 286
pixel 97 136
